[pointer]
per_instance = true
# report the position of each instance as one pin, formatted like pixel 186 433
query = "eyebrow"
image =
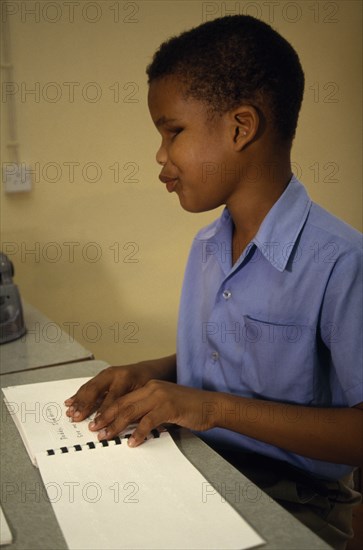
pixel 164 120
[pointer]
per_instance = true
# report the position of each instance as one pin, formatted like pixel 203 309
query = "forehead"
pixel 168 103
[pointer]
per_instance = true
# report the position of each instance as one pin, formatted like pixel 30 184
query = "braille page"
pixel 39 413
pixel 150 497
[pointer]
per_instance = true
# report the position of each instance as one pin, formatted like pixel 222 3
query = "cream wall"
pixel 109 254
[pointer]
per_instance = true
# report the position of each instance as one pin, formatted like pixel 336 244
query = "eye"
pixel 173 132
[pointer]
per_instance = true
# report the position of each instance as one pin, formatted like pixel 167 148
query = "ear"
pixel 244 125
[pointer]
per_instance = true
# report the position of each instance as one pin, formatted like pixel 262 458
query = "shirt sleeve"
pixel 341 326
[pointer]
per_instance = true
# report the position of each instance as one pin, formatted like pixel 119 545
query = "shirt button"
pixel 227 294
pixel 215 355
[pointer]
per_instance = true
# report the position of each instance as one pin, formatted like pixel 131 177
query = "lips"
pixel 170 183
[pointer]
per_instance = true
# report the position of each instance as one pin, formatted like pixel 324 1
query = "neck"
pixel 255 197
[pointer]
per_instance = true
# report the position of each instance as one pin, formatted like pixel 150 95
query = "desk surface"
pixel 44 345
pixel 30 515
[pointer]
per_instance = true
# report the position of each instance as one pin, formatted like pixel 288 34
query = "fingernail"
pixel 131 441
pixel 92 425
pixel 102 434
pixel 77 414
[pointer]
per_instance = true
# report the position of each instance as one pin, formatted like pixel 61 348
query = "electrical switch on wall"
pixel 16 177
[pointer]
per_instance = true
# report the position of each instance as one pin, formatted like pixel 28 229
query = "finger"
pixel 87 399
pixel 72 411
pixel 115 419
pixel 148 423
pixel 69 401
pixel 127 408
pixel 109 384
pixel 109 400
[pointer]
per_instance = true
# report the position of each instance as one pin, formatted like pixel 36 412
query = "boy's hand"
pixel 101 391
pixel 155 403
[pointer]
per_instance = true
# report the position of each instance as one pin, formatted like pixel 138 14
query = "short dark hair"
pixel 233 60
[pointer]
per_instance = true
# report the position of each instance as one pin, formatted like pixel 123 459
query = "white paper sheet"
pixel 150 497
pixel 5 533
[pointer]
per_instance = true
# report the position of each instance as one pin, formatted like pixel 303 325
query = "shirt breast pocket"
pixel 278 360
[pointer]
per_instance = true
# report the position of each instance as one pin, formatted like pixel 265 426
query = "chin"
pixel 195 207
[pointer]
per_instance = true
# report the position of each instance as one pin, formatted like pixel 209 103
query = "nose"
pixel 161 156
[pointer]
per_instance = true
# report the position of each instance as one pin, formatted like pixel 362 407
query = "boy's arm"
pixel 163 368
pixel 113 382
pixel 329 434
pixel 333 435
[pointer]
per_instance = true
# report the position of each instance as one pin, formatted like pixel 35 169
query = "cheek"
pixel 197 160
pixel 210 166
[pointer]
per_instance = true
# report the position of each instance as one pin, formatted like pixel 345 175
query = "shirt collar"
pixel 278 231
pixel 281 227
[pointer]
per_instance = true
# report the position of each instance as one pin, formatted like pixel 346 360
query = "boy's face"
pixel 196 153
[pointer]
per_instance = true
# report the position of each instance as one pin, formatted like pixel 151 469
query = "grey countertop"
pixel 44 345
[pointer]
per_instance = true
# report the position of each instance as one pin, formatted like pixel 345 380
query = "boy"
pixel 267 369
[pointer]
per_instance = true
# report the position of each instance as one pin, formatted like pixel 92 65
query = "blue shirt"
pixel 281 324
